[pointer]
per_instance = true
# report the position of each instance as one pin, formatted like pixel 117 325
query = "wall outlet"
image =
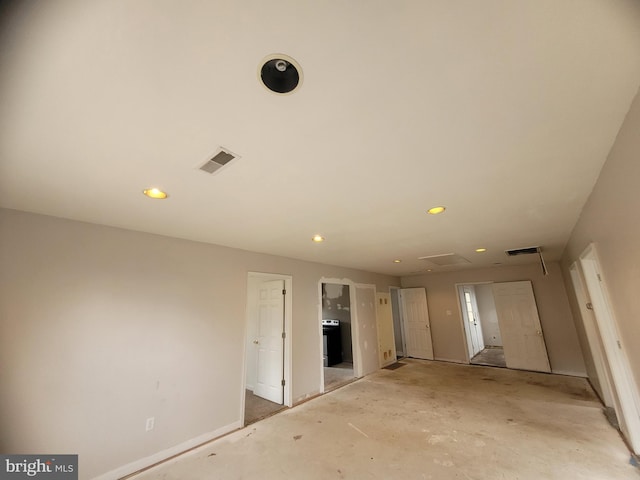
pixel 151 422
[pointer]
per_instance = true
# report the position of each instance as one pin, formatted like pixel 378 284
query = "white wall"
pixel 488 315
pixel 447 332
pixel 251 366
pixel 101 328
pixel 610 220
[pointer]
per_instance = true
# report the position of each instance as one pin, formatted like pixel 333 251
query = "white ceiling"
pixel 503 111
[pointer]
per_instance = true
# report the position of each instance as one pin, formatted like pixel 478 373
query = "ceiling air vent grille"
pixel 219 160
pixel 530 251
pixel 522 251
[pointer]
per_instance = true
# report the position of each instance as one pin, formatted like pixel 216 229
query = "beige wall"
pixel 367 329
pixel 101 328
pixel 563 348
pixel 610 220
pixel 488 315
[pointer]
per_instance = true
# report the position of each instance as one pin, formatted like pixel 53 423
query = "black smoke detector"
pixel 280 73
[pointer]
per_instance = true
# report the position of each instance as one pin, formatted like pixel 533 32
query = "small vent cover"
pixel 522 251
pixel 219 160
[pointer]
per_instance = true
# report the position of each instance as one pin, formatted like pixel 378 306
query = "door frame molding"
pixel 623 381
pixel 288 342
pixel 403 339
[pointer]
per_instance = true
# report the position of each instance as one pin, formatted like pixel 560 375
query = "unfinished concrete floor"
pixel 426 420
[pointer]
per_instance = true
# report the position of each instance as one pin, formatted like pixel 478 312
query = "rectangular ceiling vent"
pixel 221 158
pixel 445 259
pixel 522 251
pixel 530 251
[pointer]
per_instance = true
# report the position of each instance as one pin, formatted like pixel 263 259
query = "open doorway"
pixel 502 326
pixel 267 386
pixel 337 335
pixel 480 320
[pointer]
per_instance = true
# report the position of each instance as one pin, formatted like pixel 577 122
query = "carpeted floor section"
pixel 256 408
pixel 337 375
pixel 490 356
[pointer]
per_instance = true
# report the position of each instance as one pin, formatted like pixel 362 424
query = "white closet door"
pixel 416 322
pixel 522 336
pixel 269 342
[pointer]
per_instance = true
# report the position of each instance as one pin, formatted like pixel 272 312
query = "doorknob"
pixel 256 342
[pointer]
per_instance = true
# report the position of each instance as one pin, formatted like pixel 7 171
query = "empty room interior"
pixel 443 284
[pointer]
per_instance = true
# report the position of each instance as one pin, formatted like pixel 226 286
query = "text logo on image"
pixel 50 467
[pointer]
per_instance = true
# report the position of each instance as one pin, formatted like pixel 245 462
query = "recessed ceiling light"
pixel 155 193
pixel 317 238
pixel 436 210
pixel 280 73
pixel 480 250
pixel 397 261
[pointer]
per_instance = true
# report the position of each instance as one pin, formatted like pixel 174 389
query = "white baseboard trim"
pixel 301 399
pixel 451 360
pixel 570 373
pixel 146 462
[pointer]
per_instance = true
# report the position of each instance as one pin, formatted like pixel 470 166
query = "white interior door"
pixel 269 341
pixel 624 387
pixel 416 321
pixel 522 336
pixel 602 384
pixel 386 338
pixel 471 318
